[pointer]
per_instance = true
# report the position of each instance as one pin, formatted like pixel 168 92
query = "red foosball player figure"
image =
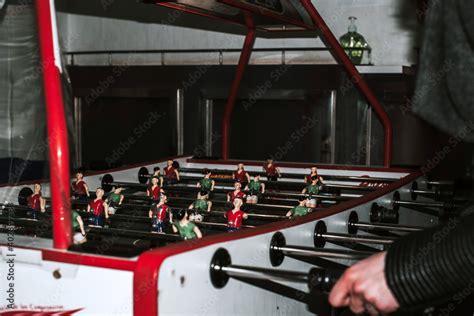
pixel 240 175
pixel 237 193
pixel 255 188
pixel 186 229
pixel 157 173
pixel 158 214
pixel 36 202
pixel 171 173
pixel 314 173
pixel 235 216
pixel 80 189
pixel 271 171
pixel 99 209
pixel 154 190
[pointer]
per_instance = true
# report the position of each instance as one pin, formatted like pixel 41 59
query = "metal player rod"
pixel 396 202
pixel 424 204
pixel 249 214
pixel 134 233
pixel 263 274
pixel 319 196
pixel 400 228
pixel 357 239
pixel 108 182
pixel 292 183
pixel 221 269
pixel 439 182
pixel 425 192
pixel 220 224
pixel 321 253
pixel 262 205
pixel 291 175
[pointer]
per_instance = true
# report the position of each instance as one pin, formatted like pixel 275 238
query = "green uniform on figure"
pixel 187 231
pixel 312 189
pixel 254 187
pixel 299 211
pixel 114 198
pixel 200 205
pixel 75 223
pixel 206 184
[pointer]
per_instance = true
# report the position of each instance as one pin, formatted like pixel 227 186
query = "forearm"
pixel 433 265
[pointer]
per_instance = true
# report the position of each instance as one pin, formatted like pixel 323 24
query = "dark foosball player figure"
pixel 99 209
pixel 157 173
pixel 186 228
pixel 255 188
pixel 154 191
pixel 206 183
pixel 240 175
pixel 115 199
pixel 237 193
pixel 36 202
pixel 235 216
pixel 80 190
pixel 171 173
pixel 301 209
pixel 314 173
pixel 78 227
pixel 311 191
pixel 199 206
pixel 271 171
pixel 160 213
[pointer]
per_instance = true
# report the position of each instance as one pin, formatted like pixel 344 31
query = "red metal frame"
pixel 341 55
pixel 337 51
pixel 242 65
pixel 145 278
pixel 57 130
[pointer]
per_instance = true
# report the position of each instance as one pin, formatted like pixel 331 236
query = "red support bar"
pixel 57 130
pixel 242 65
pixel 342 57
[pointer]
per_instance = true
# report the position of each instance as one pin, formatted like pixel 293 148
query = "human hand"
pixel 363 287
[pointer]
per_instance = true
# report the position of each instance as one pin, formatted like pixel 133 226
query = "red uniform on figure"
pixel 170 172
pixel 154 193
pixel 241 176
pixel 79 188
pixel 161 212
pixel 271 170
pixel 234 220
pixel 233 195
pixel 34 201
pixel 314 172
pixel 97 207
pixel 308 178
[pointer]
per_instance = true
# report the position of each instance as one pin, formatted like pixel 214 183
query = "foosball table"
pixel 273 265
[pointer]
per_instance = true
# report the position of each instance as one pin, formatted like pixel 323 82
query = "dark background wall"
pixel 121 130
pixel 115 102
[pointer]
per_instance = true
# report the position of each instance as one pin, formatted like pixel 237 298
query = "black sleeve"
pixel 431 267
